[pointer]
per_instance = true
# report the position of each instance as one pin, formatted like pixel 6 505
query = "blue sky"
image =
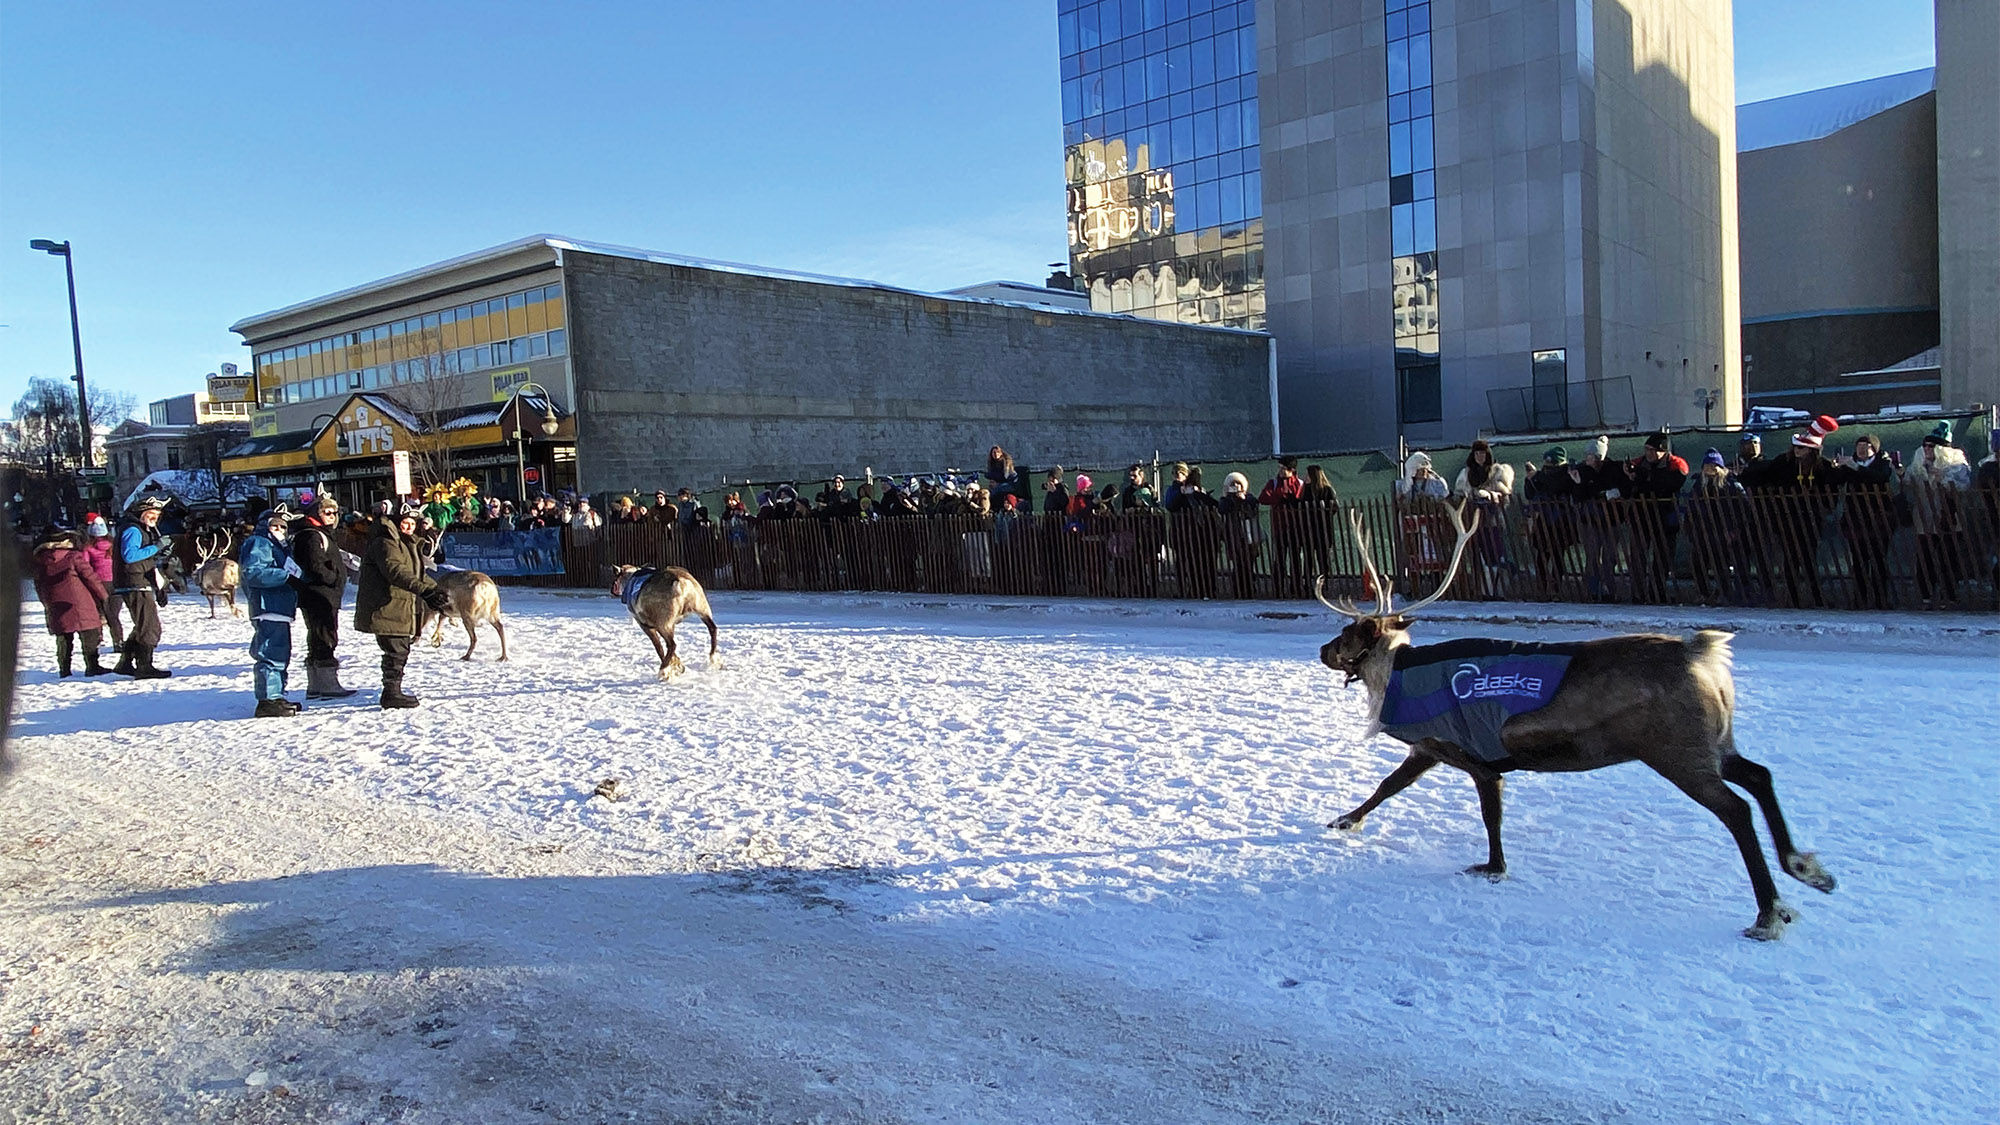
pixel 213 160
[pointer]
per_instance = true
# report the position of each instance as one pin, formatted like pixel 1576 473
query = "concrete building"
pixel 1839 212
pixel 182 434
pixel 1968 176
pixel 1453 217
pixel 663 371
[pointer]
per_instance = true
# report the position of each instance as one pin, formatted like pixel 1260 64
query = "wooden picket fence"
pixel 1858 550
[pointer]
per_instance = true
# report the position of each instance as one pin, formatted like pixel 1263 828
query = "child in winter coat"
pixel 271 582
pixel 70 594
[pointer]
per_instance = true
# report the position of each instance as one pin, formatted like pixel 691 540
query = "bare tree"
pixel 433 396
pixel 45 437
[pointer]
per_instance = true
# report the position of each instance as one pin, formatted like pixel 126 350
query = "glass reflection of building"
pixel 1164 185
pixel 1413 213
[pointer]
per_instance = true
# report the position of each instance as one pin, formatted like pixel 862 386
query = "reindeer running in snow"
pixel 1487 707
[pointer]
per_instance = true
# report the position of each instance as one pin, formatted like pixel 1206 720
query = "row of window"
pixel 479 357
pixel 1227 202
pixel 1413 214
pixel 1158 144
pixel 529 312
pixel 1104 24
pixel 1176 71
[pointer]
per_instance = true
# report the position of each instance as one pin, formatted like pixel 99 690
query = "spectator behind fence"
pixel 1934 478
pixel 1749 454
pixel 1241 532
pixel 1868 520
pixel 1714 510
pixel 1137 496
pixel 1987 481
pixel 1283 494
pixel 1002 476
pixel 1177 475
pixel 1055 495
pixel 1549 495
pixel 1806 491
pixel 1653 480
pixel 1487 485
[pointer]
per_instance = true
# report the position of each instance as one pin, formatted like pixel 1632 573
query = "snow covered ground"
pixel 926 860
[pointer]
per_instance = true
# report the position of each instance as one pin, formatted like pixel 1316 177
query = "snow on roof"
pixel 192 487
pixel 1927 360
pixel 1814 114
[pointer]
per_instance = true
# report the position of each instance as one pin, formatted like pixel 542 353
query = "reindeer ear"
pixel 1398 624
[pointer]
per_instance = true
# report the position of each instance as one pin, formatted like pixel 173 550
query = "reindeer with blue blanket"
pixel 657 599
pixel 1489 706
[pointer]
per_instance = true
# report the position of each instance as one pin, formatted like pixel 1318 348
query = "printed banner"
pixel 506 553
pixel 232 388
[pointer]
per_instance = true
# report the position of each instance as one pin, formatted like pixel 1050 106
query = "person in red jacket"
pixel 1283 494
pixel 97 548
pixel 1653 482
pixel 70 594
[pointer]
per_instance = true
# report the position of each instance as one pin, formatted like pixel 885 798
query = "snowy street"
pixel 933 860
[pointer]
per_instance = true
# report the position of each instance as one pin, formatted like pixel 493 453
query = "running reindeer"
pixel 1489 706
pixel 216 574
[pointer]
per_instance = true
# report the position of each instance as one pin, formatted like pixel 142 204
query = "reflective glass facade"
pixel 1413 213
pixel 1164 182
pixel 496 332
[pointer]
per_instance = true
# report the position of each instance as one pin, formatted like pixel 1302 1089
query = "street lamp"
pixel 549 426
pixel 312 447
pixel 61 250
pixel 1707 398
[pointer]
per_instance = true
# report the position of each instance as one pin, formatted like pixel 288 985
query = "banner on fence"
pixel 506 553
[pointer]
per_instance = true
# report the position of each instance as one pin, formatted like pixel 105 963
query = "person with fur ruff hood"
pixel 1487 485
pixel 1419 480
pixel 1937 472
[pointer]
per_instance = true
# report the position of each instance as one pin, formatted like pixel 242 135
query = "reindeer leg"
pixel 674 667
pixel 653 635
pixel 1495 867
pixel 1413 767
pixel 1803 866
pixel 502 630
pixel 472 638
pixel 710 622
pixel 1714 794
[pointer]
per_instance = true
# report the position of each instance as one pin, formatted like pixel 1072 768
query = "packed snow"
pixel 974 860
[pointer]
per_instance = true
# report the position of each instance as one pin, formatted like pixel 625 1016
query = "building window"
pixel 173 457
pixel 1413 212
pixel 1419 394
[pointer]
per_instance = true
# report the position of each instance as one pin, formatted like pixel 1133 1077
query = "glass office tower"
pixel 1164 183
pixel 1413 236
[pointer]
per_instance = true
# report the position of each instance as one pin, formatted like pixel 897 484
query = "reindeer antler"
pixel 1465 533
pixel 1383 591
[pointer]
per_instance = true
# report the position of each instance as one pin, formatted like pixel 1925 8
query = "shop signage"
pixel 370 433
pixel 531 475
pixel 505 382
pixel 534 551
pixel 264 423
pixel 231 387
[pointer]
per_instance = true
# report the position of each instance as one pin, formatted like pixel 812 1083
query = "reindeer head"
pixel 619 578
pixel 1384 627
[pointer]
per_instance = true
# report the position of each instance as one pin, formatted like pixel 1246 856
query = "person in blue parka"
pixel 271 582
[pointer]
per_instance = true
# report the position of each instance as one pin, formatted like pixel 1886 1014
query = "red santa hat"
pixel 1816 432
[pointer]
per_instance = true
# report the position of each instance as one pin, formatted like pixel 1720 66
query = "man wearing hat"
pixel 1807 490
pixel 1936 474
pixel 1654 480
pixel 1547 495
pixel 1749 454
pixel 135 558
pixel 1867 520
pixel 271 582
pixel 391 583
pixel 323 575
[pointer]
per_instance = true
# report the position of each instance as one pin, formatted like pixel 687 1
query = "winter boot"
pixel 125 667
pixel 65 646
pixel 393 698
pixel 90 665
pixel 323 681
pixel 276 709
pixel 144 663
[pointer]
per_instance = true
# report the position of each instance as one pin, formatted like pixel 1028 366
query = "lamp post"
pixel 549 426
pixel 312 447
pixel 1707 398
pixel 61 250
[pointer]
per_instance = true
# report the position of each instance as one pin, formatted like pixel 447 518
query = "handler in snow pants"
pixel 136 560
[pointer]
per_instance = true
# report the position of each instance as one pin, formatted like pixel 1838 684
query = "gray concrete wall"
pixel 687 376
pixel 1586 200
pixel 1968 176
pixel 1666 301
pixel 1847 223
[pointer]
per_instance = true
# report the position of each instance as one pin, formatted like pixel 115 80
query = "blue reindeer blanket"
pixel 635 582
pixel 1463 691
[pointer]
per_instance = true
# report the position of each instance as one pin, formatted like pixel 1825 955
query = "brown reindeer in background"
pixel 1666 701
pixel 217 574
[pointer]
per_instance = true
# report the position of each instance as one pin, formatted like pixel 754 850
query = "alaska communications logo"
pixel 1470 683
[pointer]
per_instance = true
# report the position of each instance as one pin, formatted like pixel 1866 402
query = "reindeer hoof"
pixel 1347 823
pixel 1493 872
pixel 1771 924
pixel 1804 866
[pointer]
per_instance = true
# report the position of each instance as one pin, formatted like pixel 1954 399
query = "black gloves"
pixel 298 585
pixel 160 596
pixel 438 600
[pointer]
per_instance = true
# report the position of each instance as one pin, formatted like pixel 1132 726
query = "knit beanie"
pixel 1940 434
pixel 1601 447
pixel 1556 455
pixel 1714 457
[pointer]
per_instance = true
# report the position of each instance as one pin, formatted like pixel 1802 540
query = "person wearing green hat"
pixel 1936 475
pixel 1549 496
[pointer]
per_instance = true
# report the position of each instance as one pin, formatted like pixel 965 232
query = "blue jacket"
pixel 266 586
